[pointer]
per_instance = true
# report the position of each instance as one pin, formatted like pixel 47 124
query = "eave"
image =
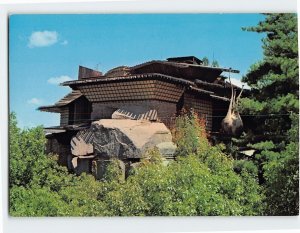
pixel 75 83
pixel 57 107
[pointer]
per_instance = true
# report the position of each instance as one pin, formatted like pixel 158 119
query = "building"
pixel 155 90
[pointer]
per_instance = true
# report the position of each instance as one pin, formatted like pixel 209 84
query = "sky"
pixel 45 50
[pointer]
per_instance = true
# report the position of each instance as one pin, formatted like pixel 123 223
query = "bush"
pixel 202 182
pixel 189 134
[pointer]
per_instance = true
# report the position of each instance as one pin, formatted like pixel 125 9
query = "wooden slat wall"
pixel 201 106
pixel 64 116
pixel 82 110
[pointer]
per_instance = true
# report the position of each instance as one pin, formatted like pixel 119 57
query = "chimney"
pixel 88 73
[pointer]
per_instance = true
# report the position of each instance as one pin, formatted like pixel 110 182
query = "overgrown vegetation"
pixel 274 104
pixel 200 182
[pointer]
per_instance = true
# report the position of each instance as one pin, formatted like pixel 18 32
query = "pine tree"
pixel 274 105
pixel 215 63
pixel 274 80
pixel 205 61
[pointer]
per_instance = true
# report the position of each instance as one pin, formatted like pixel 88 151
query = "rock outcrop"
pixel 121 139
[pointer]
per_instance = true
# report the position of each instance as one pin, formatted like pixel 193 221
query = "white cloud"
pixel 239 83
pixel 58 80
pixel 42 39
pixel 65 42
pixel 35 101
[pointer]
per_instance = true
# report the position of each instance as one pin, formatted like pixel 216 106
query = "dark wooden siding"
pixel 64 116
pixel 80 111
pixel 201 105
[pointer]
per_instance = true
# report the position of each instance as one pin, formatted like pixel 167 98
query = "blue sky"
pixel 47 49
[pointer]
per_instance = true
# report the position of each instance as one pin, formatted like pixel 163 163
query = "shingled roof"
pixel 75 83
pixel 183 70
pixel 75 94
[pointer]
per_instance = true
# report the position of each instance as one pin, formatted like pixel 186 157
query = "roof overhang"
pixel 57 107
pixel 54 130
pixel 75 83
pixel 50 108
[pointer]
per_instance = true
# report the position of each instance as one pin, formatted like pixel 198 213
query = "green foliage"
pixel 189 134
pixel 205 61
pixel 275 102
pixel 16 166
pixel 265 145
pixel 122 199
pixel 26 150
pixel 38 185
pixel 282 177
pixel 215 63
pixel 35 202
pixel 275 79
pixel 202 183
pixel 113 172
pixel 190 186
pixel 152 156
pixel 81 197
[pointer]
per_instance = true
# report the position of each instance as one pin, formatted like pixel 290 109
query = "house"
pixel 154 91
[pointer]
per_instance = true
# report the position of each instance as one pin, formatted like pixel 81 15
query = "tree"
pixel 215 63
pixel 282 177
pixel 274 80
pixel 205 61
pixel 37 183
pixel 273 102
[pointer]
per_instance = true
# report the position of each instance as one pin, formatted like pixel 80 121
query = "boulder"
pixel 122 139
pixel 80 146
pixel 111 142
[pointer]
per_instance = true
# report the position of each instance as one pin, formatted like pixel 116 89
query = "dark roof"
pixel 175 67
pixel 200 90
pixel 189 84
pixel 219 97
pixel 75 94
pixel 84 72
pixel 181 70
pixel 187 59
pixel 127 78
pixel 212 85
pixel 185 65
pixel 186 71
